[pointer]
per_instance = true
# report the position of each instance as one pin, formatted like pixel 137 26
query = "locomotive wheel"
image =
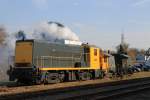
pixel 53 78
pixel 85 76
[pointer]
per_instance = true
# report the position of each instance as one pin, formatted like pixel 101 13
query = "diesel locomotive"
pixel 47 62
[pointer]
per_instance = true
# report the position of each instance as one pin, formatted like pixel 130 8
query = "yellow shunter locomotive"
pixel 44 62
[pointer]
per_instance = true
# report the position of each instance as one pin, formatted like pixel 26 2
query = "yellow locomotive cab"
pixel 94 58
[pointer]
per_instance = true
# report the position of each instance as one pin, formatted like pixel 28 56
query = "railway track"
pixel 88 92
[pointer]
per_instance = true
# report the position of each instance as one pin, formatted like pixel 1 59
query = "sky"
pixel 99 22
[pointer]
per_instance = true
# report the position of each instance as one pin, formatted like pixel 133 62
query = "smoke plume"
pixel 3 53
pixel 53 30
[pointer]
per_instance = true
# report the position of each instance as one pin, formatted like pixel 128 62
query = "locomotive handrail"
pixel 42 57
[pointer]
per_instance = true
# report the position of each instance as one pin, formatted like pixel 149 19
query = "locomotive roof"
pixel 42 41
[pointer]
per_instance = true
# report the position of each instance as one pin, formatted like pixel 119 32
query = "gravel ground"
pixel 14 90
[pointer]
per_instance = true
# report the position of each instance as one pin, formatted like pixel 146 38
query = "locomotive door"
pixel 87 56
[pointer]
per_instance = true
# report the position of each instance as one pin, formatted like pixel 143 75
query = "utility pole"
pixel 122 37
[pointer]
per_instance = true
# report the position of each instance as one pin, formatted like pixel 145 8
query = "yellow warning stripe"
pixel 44 69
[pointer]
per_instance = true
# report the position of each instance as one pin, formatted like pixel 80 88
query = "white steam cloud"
pixel 52 31
pixel 3 53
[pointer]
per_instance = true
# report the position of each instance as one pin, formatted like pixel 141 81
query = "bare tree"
pixel 2 34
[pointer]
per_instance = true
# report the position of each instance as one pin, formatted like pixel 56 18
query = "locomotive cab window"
pixel 95 52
